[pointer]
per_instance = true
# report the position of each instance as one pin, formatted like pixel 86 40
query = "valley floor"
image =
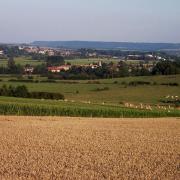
pixel 89 148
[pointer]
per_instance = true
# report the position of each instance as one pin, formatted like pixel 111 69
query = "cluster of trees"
pixel 11 68
pixel 55 61
pixel 22 91
pixel 113 71
pixel 166 68
pixel 36 56
pixel 79 72
pixel 106 71
pixel 50 61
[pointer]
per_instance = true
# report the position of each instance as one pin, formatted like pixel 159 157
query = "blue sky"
pixel 100 20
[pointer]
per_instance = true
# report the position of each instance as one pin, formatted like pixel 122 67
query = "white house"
pixel 28 69
pixel 42 52
pixel 1 52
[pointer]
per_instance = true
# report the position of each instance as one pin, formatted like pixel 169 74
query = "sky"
pixel 24 21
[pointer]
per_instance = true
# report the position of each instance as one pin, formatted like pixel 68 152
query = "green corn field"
pixel 71 110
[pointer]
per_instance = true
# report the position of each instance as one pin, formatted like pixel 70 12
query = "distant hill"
pixel 107 45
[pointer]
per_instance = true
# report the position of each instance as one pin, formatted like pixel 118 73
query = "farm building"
pixel 56 69
pixel 29 70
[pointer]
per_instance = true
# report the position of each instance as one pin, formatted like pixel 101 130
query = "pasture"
pixel 22 61
pixel 115 91
pixel 86 61
pixel 87 148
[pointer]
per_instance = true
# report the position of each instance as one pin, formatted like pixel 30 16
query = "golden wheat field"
pixel 86 148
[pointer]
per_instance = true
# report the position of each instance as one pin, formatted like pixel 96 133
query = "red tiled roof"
pixel 56 68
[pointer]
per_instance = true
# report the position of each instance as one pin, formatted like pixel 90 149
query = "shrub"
pixel 46 95
pixel 124 83
pixel 19 91
pixel 135 83
pixel 22 91
pixel 22 80
pixel 30 77
pixel 170 84
pixel 101 89
pixel 49 81
pixel 93 82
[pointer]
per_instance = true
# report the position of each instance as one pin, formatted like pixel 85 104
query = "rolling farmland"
pixel 76 104
pixel 79 148
pixel 33 107
pixel 95 98
pixel 22 61
pixel 117 91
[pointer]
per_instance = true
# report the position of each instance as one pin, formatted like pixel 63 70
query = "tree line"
pixel 23 92
pixel 120 70
pixel 107 70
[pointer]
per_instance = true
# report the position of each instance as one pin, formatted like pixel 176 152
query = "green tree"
pixel 40 69
pixel 166 68
pixel 123 69
pixel 55 61
pixel 11 63
pixel 21 91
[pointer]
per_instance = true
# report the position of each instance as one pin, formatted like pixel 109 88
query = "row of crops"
pixel 7 108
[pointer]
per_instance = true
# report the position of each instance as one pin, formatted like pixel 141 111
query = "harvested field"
pixel 86 148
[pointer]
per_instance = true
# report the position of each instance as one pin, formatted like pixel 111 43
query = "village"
pixel 147 61
pixel 112 63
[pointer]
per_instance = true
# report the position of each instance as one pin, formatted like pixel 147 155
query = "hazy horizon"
pixel 155 21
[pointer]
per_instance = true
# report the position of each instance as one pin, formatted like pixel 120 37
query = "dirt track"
pixel 85 148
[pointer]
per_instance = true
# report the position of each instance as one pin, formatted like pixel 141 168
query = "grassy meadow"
pixel 116 91
pixel 96 60
pixel 97 98
pixel 90 61
pixel 22 61
pixel 85 61
pixel 28 60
